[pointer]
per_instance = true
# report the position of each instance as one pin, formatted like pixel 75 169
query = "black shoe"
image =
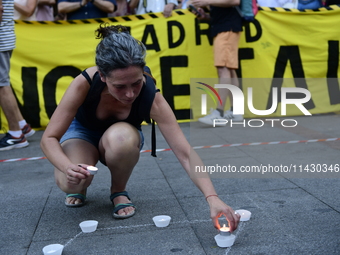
pixel 9 142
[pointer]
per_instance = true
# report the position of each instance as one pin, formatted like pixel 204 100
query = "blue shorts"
pixel 78 131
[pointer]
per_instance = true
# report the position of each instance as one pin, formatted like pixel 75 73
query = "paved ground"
pixel 296 213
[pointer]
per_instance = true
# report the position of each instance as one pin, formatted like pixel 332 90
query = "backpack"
pixel 247 9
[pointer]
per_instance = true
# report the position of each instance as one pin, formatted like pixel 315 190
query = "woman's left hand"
pixel 219 208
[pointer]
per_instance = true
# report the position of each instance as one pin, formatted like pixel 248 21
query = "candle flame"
pixel 224 228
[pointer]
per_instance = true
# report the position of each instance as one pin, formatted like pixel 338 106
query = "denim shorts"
pixel 78 131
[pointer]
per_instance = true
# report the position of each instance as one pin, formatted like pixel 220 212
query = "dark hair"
pixel 117 49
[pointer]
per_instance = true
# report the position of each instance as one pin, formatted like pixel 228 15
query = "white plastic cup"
pixel 245 215
pixel 92 169
pixel 161 221
pixel 88 226
pixel 225 241
pixel 53 249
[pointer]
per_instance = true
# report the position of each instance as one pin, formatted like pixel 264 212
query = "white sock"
pixel 15 133
pixel 22 123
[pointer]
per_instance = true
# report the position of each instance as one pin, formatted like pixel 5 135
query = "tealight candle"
pixel 224 231
pixel 53 249
pixel 92 169
pixel 225 238
pixel 245 215
pixel 161 220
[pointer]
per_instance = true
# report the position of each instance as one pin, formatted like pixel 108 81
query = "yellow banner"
pixel 277 44
pixel 292 44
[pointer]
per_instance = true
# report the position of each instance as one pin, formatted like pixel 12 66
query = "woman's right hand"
pixel 218 208
pixel 76 173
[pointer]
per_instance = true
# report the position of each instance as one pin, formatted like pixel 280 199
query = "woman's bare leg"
pixel 119 147
pixel 79 152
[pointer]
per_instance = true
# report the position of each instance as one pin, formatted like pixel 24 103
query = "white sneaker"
pixel 213 119
pixel 229 115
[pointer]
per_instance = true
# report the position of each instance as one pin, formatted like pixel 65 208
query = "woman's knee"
pixel 121 137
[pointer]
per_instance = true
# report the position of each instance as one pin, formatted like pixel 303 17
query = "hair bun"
pixel 105 29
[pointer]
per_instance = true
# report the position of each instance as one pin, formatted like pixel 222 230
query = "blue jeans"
pixel 309 4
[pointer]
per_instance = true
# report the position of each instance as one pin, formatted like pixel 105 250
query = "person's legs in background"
pixel 226 63
pixel 19 130
pixel 227 76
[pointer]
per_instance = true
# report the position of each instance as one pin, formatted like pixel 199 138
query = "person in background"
pixel 152 6
pixel 25 10
pixel 122 9
pixel 1 10
pixel 226 28
pixel 99 119
pixel 184 4
pixel 19 130
pixel 272 3
pixel 291 4
pixel 309 4
pixel 86 9
pixel 332 2
pixel 45 10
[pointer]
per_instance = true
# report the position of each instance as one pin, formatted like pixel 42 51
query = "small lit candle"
pixel 224 231
pixel 225 238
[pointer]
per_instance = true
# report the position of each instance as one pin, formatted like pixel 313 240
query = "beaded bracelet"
pixel 206 198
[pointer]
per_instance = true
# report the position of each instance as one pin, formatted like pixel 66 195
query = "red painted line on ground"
pixel 21 159
pixel 205 147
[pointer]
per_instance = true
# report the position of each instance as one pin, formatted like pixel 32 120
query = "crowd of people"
pixel 51 10
pixel 297 4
